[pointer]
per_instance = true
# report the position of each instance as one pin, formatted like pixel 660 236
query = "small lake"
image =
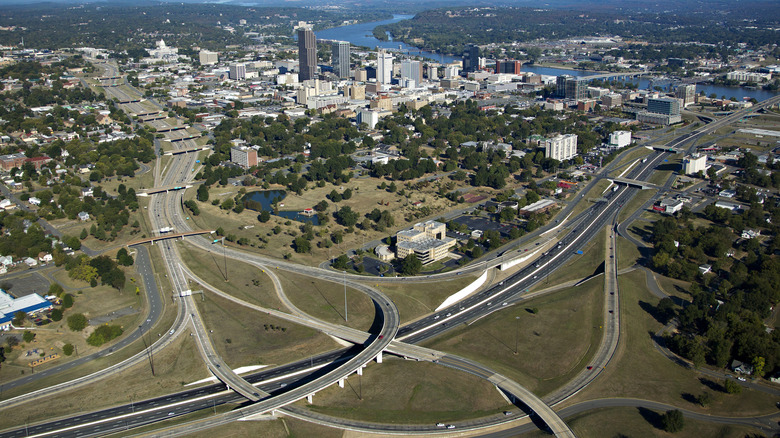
pixel 266 200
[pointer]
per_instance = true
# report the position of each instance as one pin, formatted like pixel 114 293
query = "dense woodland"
pixel 443 29
pixel 134 28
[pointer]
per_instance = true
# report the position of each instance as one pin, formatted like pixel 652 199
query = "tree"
pixel 758 366
pixel 731 387
pixel 302 245
pixel 67 349
pixel 28 336
pixel 203 193
pixel 123 258
pixel 83 234
pixel 67 301
pixel 673 421
pixel 411 265
pixel 704 399
pixel 19 318
pixel 264 216
pixel 77 322
pixel 55 289
pixel 346 217
pixel 11 342
pixel 56 315
pixel 341 262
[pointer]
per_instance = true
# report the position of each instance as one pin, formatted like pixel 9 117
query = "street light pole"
pixel 345 297
pixel 517 332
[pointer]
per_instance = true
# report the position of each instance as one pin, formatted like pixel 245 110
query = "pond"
pixel 263 200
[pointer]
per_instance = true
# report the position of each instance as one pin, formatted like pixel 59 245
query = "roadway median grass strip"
pixel 242 336
pixel 279 428
pixel 635 202
pixel 177 364
pixel 639 370
pixel 246 282
pixel 416 299
pixel 556 335
pixel 627 253
pixel 411 392
pixel 325 300
pixel 596 192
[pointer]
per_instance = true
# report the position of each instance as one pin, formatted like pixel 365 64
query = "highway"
pixel 599 215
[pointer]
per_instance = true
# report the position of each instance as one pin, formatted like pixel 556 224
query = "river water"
pixel 361 35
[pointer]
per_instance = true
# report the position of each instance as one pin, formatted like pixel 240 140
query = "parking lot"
pixel 483 224
pixel 25 285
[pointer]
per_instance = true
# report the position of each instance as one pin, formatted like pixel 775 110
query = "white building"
pixel 384 67
pixel 208 58
pixel 412 70
pixel 237 72
pixel 369 117
pixel 693 164
pixel 619 139
pixel 746 76
pixel 560 147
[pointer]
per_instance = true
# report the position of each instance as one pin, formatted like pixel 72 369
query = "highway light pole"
pixel 345 297
pixel 517 332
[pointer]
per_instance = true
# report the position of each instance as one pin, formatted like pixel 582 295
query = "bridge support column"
pixel 341 383
pixel 379 357
pixel 360 371
pixel 309 398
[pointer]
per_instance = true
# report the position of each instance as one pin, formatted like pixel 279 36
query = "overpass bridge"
pixel 171 129
pixel 186 151
pixel 189 137
pixel 644 185
pixel 125 102
pixel 168 236
pixel 613 75
pixel 152 191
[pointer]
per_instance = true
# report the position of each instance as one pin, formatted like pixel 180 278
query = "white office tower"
pixel 340 58
pixel 561 147
pixel 208 58
pixel 412 70
pixel 237 72
pixel 433 73
pixel 450 71
pixel 369 117
pixel 384 67
pixel 619 139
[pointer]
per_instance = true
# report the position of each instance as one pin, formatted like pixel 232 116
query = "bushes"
pixel 103 334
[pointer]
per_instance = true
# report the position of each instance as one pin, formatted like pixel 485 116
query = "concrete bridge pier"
pixel 341 383
pixel 309 398
pixel 360 371
pixel 379 357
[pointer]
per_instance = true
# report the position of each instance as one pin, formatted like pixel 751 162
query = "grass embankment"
pixel 553 345
pixel 624 422
pixel 639 370
pixel 420 392
pixel 178 364
pixel 243 336
pixel 325 300
pixel 246 282
pixel 418 299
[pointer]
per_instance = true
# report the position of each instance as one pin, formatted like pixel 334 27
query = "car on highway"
pixel 450 426
pixel 590 367
pixel 507 413
pixel 440 424
pixel 742 379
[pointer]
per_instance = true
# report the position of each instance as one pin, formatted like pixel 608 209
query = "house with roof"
pixel 83 216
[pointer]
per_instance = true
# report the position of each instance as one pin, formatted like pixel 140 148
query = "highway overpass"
pixel 168 236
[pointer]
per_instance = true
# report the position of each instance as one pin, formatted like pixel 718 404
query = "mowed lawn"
pixel 400 391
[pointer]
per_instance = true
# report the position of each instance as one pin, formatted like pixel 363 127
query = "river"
pixel 361 35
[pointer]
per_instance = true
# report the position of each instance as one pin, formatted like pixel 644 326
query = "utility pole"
pixel 517 331
pixel 224 256
pixel 345 297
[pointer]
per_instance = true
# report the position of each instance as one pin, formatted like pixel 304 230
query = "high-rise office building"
pixel 384 67
pixel 412 70
pixel 509 67
pixel 208 58
pixel 237 72
pixel 433 73
pixel 340 57
pixel 307 54
pixel 560 147
pixel 471 58
pixel 570 87
pixel 687 93
pixel 664 105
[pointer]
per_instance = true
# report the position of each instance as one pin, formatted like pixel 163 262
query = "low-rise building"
pixel 29 304
pixel 428 240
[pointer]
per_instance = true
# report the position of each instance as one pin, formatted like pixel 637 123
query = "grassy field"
pixel 553 345
pixel 595 192
pixel 279 428
pixel 421 392
pixel 639 422
pixel 325 300
pixel 637 201
pixel 580 266
pixel 178 364
pixel 626 160
pixel 627 253
pixel 639 370
pixel 243 336
pixel 418 299
pixel 247 282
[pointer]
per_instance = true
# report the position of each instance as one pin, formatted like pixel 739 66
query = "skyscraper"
pixel 237 72
pixel 412 70
pixel 471 58
pixel 307 54
pixel 384 67
pixel 570 87
pixel 340 57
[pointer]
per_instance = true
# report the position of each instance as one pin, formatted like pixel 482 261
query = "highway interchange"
pixel 164 211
